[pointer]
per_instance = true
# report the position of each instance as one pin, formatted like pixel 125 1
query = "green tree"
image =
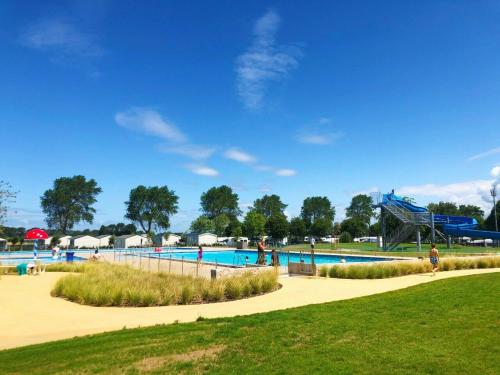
pixel 234 228
pixel 321 227
pixel 355 227
pixel 374 229
pixel 336 229
pixel 298 229
pixel 220 200
pixel 345 237
pixel 269 205
pixel 315 208
pixel 70 202
pixel 361 208
pixel 151 207
pixel 470 210
pixel 443 208
pixel 489 223
pixel 54 241
pixel 254 225
pixel 202 225
pixel 277 226
pixel 221 222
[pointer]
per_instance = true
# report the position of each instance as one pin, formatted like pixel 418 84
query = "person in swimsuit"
pixel 434 258
pixel 200 254
pixel 261 255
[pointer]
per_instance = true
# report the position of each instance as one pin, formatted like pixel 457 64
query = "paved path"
pixel 29 315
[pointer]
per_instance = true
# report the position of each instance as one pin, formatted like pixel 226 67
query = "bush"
pixel 387 269
pixel 102 284
pixel 345 237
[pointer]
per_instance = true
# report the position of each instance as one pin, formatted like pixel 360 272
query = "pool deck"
pixel 29 315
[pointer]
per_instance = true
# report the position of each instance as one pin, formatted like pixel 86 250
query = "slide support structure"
pixel 419 240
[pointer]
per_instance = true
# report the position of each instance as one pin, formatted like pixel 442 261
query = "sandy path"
pixel 29 315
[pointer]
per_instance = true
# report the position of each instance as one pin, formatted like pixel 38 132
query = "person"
pixel 313 242
pixel 96 255
pixel 434 258
pixel 261 256
pixel 200 254
pixel 275 260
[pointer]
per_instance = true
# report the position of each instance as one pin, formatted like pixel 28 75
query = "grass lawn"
pixel 406 249
pixel 446 327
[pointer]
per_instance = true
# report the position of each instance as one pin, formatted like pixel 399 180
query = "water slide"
pixel 459 226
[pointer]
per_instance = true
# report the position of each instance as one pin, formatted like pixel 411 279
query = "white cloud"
pixel 318 139
pixel 193 151
pixel 318 133
pixel 203 170
pixel 263 168
pixel 495 172
pixel 149 121
pixel 239 156
pixel 286 172
pixel 263 61
pixel 468 192
pixel 265 189
pixel 484 154
pixel 61 37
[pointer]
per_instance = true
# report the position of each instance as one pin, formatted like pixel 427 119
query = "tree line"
pixel 71 199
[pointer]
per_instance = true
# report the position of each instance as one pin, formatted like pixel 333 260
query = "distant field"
pixel 405 249
pixel 444 327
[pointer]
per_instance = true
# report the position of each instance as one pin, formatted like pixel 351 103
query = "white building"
pixel 104 240
pixel 64 241
pixel 131 240
pixel 171 240
pixel 196 239
pixel 84 240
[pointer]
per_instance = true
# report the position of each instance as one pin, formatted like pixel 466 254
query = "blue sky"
pixel 292 98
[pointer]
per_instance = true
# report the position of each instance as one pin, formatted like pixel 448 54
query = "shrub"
pixel 102 284
pixel 345 237
pixel 392 269
pixel 323 271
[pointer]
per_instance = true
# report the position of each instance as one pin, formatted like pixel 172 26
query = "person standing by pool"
pixel 261 256
pixel 200 254
pixel 313 242
pixel 434 258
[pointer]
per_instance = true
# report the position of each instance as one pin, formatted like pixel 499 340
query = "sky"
pixel 291 98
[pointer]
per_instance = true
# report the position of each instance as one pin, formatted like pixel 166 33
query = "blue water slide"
pixel 460 226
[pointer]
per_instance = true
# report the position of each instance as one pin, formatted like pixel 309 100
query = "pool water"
pixel 242 257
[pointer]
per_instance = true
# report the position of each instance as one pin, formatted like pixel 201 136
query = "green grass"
pixel 445 327
pixel 404 250
pixel 384 270
pixel 103 284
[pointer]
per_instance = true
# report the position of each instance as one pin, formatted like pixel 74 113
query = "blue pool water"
pixel 242 257
pixel 42 260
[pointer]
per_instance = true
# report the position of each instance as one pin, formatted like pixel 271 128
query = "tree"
pixel 321 227
pixel 254 225
pixel 361 208
pixel 489 223
pixel 221 222
pixel 70 202
pixel 234 228
pixel 345 237
pixel 470 210
pixel 355 227
pixel 220 200
pixel 297 229
pixel 7 195
pixel 374 229
pixel 316 207
pixel 151 207
pixel 269 205
pixel 277 226
pixel 336 228
pixel 443 208
pixel 202 225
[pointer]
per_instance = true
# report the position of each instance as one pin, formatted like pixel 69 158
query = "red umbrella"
pixel 36 234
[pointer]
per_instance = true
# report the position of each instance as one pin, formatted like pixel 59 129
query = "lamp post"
pixel 493 192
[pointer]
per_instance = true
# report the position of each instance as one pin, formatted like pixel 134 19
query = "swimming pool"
pixel 42 260
pixel 243 257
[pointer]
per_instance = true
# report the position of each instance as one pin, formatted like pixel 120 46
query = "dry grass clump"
pixel 392 269
pixel 103 284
